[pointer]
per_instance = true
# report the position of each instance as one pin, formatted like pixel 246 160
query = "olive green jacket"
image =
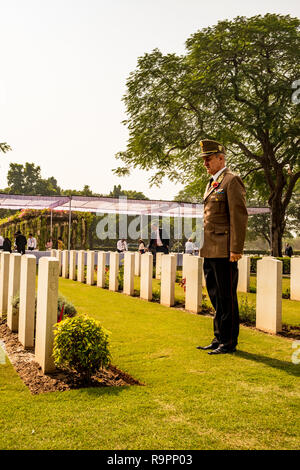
pixel 225 217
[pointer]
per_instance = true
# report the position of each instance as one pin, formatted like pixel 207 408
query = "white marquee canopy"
pixel 109 205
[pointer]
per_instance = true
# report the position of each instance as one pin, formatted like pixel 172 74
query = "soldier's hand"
pixel 234 257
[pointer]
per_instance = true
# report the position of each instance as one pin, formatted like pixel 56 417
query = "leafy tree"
pixel 259 227
pixel 26 179
pixel 293 213
pixel 234 85
pixel 86 191
pixel 131 194
pixel 4 147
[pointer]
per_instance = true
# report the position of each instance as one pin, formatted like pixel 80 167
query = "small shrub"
pixel 15 302
pixel 286 294
pixel 183 283
pixel 247 312
pixel 106 277
pixel 205 308
pixel 69 309
pixel 286 262
pixel 156 295
pixel 253 263
pixel 80 344
pixel 121 277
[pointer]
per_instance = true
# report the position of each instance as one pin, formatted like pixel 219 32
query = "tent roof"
pixel 104 205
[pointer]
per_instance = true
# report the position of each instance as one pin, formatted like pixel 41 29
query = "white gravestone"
pixel 65 264
pixel 193 286
pixel 167 291
pixel 90 268
pixel 129 262
pixel 114 260
pixel 269 295
pixel 137 264
pixel 80 266
pixel 13 289
pixel 244 274
pixel 4 275
pixel 46 315
pixel 146 276
pixel 72 265
pixel 101 274
pixel 295 278
pixel 27 301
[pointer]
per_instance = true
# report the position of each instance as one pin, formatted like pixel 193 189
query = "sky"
pixel 64 65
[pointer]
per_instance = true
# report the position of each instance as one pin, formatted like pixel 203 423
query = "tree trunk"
pixel 277 228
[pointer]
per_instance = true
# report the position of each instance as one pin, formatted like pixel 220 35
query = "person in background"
pixel 288 250
pixel 31 242
pixel 159 242
pixel 20 242
pixel 189 247
pixel 122 245
pixel 142 247
pixel 1 242
pixel 60 244
pixel 7 245
pixel 196 249
pixel 49 244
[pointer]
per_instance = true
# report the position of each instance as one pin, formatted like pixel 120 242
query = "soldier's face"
pixel 213 163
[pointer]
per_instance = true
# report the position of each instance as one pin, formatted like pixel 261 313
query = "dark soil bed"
pixel 31 373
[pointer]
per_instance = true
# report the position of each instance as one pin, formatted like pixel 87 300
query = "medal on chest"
pixel 215 187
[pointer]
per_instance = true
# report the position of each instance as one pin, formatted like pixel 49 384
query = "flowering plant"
pixel 183 283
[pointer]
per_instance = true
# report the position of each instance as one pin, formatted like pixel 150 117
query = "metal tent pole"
pixel 51 226
pixel 70 221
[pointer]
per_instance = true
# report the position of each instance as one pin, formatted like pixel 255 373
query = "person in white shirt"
pixel 122 246
pixel 189 247
pixel 31 242
pixel 1 242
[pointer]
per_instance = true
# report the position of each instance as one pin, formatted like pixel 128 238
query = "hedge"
pixel 285 260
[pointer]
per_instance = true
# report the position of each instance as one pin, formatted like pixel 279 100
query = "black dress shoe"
pixel 210 346
pixel 221 350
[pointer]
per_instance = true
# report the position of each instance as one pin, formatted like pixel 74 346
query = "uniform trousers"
pixel 221 278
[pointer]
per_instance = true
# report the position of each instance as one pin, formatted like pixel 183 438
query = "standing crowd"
pixel 19 243
pixel 159 242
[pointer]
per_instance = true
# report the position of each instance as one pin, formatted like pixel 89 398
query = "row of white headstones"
pixel 18 274
pixel 34 324
pixel 269 279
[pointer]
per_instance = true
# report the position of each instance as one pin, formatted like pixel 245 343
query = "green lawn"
pixel 245 400
pixel 290 308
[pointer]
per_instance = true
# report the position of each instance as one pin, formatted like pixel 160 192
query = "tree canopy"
pixel 235 84
pixel 27 179
pixel 4 147
pixel 130 194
